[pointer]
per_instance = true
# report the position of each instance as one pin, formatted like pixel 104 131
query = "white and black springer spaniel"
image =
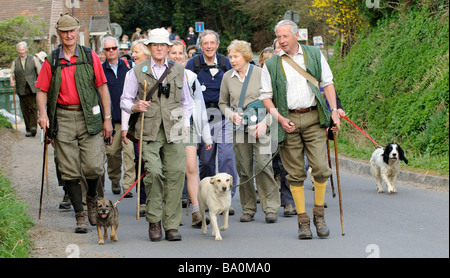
pixel 385 164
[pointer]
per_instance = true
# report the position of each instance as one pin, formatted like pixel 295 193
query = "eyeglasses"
pixel 114 48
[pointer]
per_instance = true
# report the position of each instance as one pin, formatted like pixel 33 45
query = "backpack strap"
pixel 57 63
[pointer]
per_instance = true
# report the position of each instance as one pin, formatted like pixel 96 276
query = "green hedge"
pixel 394 84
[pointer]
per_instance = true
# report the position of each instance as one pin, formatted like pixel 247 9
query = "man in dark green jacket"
pixel 303 118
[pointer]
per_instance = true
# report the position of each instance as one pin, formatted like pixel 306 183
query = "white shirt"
pixel 299 94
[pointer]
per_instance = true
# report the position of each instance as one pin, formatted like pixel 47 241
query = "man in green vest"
pixel 166 120
pixel 24 71
pixel 70 113
pixel 303 117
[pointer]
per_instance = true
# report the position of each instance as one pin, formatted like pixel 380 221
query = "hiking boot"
pixel 82 222
pixel 289 210
pixel 271 217
pixel 246 218
pixel 142 210
pixel 304 229
pixel 197 219
pixel 155 231
pixel 91 202
pixel 319 222
pixel 65 203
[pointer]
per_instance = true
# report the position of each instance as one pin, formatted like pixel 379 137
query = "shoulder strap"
pixel 196 64
pixel 299 69
pixel 56 63
pixel 244 87
pixel 223 63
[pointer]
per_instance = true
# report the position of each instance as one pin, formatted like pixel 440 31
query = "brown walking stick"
pixel 15 109
pixel 140 153
pixel 338 182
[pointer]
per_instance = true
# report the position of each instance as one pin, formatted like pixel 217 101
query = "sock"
pixel 195 208
pixel 298 194
pixel 319 193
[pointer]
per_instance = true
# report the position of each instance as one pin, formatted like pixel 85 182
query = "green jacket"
pixel 25 76
pixel 87 91
pixel 278 77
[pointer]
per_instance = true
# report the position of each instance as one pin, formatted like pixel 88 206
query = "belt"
pixel 212 105
pixel 69 107
pixel 304 110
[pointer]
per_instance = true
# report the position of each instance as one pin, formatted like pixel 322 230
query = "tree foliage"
pixel 33 30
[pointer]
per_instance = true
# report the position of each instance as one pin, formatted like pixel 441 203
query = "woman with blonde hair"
pixel 250 140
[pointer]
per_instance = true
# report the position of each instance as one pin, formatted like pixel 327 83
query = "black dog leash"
pixel 259 172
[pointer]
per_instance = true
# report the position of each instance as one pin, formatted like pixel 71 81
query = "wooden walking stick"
pixel 140 153
pixel 43 174
pixel 338 182
pixel 15 109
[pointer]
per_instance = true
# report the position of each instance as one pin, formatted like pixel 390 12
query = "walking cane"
pixel 140 153
pixel 329 164
pixel 338 182
pixel 43 174
pixel 15 109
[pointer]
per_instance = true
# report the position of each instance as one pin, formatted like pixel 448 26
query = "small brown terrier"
pixel 107 216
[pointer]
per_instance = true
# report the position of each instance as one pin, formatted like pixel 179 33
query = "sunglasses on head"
pixel 114 48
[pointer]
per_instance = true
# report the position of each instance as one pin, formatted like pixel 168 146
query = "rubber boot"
pixel 91 201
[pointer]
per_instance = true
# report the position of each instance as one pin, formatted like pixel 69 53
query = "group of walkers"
pixel 200 111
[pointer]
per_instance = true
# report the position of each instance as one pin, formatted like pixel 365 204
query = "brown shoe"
pixel 289 210
pixel 154 231
pixel 246 218
pixel 82 222
pixel 91 203
pixel 271 217
pixel 304 229
pixel 173 235
pixel 197 219
pixel 319 222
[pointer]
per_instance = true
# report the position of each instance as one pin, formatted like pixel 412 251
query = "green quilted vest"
pixel 87 91
pixel 278 77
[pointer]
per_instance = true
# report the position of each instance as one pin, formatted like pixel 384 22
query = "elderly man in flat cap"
pixel 167 116
pixel 72 115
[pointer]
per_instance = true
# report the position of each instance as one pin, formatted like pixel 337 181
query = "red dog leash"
pixel 345 117
pixel 131 187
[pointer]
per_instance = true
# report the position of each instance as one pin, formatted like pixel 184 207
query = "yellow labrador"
pixel 214 193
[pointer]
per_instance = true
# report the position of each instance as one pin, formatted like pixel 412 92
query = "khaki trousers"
pixel 310 139
pixel 251 157
pixel 120 154
pixel 79 154
pixel 165 164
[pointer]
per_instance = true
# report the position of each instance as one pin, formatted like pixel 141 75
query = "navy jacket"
pixel 212 84
pixel 115 86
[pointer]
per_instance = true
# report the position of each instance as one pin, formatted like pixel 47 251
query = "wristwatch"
pixel 334 109
pixel 108 117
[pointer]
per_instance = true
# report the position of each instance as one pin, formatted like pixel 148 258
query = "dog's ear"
pixel 211 180
pixel 401 154
pixel 386 153
pixel 231 180
pixel 111 203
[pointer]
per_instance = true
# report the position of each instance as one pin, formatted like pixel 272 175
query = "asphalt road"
pixel 410 224
pixel 414 223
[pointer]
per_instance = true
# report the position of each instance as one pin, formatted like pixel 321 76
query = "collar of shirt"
pixel 61 54
pixel 114 67
pixel 300 51
pixel 235 73
pixel 158 69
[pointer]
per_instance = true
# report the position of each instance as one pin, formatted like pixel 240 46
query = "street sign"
pixel 199 26
pixel 303 34
pixel 292 15
pixel 318 41
pixel 116 29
